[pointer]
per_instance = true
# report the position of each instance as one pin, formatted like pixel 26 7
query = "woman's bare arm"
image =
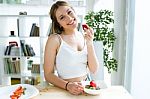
pixel 49 62
pixel 93 63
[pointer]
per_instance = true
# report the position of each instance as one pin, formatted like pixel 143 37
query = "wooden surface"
pixel 113 92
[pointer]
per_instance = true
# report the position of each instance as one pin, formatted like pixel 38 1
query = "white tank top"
pixel 69 62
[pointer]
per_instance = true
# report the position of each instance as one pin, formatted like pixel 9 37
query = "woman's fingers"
pixel 89 34
pixel 88 37
pixel 77 88
pixel 89 30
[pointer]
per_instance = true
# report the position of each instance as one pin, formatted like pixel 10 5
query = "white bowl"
pixel 92 91
pixel 100 84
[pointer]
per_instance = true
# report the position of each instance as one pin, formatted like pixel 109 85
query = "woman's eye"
pixel 61 18
pixel 69 12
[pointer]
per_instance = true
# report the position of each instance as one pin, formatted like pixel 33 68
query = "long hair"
pixel 55 27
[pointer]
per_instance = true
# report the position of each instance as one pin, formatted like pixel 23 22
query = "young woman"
pixel 68 51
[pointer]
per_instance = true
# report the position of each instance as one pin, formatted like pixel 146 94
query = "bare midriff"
pixel 77 79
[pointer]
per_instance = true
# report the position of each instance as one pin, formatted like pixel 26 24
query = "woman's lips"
pixel 71 22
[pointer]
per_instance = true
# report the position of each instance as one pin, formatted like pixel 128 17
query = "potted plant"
pixel 102 23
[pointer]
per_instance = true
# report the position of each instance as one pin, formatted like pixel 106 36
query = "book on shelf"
pixel 12 65
pixel 35 68
pixel 30 50
pixel 36 33
pixel 23 47
pixel 6 50
pixel 27 49
pixel 34 30
pixel 18 27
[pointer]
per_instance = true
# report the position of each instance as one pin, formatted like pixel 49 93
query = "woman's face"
pixel 66 17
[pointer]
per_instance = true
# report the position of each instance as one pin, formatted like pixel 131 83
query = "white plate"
pixel 101 85
pixel 30 91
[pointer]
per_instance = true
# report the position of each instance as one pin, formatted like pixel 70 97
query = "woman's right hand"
pixel 89 34
pixel 75 88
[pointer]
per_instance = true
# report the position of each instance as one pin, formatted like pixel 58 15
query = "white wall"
pixel 140 83
pixel 6 9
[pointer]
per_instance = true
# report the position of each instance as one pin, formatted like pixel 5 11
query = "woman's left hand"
pixel 75 88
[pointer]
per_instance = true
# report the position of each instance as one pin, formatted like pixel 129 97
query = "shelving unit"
pixel 8 22
pixel 22 29
pixel 15 65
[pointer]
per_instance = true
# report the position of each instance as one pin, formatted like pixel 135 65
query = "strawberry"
pixel 92 83
pixel 84 26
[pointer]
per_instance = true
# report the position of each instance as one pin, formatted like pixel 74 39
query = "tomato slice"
pixel 17 93
pixel 20 87
pixel 14 96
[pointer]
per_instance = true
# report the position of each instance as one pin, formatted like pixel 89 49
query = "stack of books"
pixel 27 49
pixel 12 66
pixel 35 68
pixel 34 30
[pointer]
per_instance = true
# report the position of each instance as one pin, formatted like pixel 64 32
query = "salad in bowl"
pixel 93 87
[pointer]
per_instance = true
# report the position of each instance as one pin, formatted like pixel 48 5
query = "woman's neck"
pixel 70 32
pixel 70 35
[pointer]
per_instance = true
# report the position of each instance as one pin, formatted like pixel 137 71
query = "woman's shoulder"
pixel 53 39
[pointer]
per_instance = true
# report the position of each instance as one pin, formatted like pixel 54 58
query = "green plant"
pixel 102 23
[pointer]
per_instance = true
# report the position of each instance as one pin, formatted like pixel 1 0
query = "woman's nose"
pixel 69 17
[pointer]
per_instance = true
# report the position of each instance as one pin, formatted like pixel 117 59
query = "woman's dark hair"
pixel 56 28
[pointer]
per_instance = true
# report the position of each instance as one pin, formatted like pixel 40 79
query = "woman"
pixel 68 51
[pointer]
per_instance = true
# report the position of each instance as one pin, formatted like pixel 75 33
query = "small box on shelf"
pixel 12 49
pixel 12 34
pixel 15 81
pixel 32 80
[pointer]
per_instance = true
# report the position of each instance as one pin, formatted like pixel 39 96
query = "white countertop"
pixel 113 92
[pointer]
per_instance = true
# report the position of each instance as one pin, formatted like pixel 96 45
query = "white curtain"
pixel 130 14
pixel 117 78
